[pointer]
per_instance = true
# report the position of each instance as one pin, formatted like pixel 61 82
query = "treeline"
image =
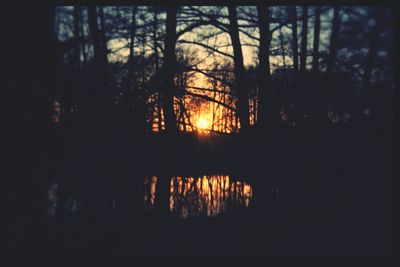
pixel 160 68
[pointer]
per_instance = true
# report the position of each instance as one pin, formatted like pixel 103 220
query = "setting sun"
pixel 202 124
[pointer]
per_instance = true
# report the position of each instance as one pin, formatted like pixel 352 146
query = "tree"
pixel 131 72
pixel 100 56
pixel 304 31
pixel 101 105
pixel 156 67
pixel 76 51
pixel 317 26
pixel 240 76
pixel 333 42
pixel 294 39
pixel 169 71
pixel 82 36
pixel 264 76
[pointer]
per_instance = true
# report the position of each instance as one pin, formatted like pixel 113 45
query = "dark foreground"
pixel 314 196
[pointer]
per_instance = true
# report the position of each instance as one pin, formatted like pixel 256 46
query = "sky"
pixel 120 51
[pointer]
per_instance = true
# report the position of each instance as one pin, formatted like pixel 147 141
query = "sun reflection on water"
pixel 150 194
pixel 208 195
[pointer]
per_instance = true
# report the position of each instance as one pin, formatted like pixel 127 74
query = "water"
pixel 222 216
pixel 191 196
pixel 207 195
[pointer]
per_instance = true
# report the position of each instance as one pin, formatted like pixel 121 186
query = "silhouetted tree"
pixel 82 36
pixel 304 31
pixel 131 72
pixel 333 42
pixel 240 76
pixel 265 90
pixel 294 38
pixel 317 26
pixel 168 69
pixel 76 52
pixel 156 67
pixel 101 105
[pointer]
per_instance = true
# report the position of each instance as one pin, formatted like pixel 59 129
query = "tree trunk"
pixel 333 43
pixel 156 66
pixel 321 101
pixel 71 88
pixel 264 77
pixel 294 39
pixel 240 75
pixel 332 56
pixel 169 71
pixel 131 45
pixel 100 104
pixel 304 31
pixel 103 29
pixel 76 52
pixel 99 55
pixel 82 37
pixel 317 26
pixel 282 43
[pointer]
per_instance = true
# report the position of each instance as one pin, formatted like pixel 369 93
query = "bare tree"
pixel 100 56
pixel 295 48
pixel 264 76
pixel 131 72
pixel 156 67
pixel 76 51
pixel 240 76
pixel 304 31
pixel 317 26
pixel 333 43
pixel 169 67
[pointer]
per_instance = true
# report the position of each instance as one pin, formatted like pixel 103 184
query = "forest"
pixel 225 70
pixel 149 120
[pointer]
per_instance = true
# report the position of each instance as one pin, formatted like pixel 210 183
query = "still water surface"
pixel 205 195
pixel 178 216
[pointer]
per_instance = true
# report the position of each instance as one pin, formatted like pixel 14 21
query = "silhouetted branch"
pixel 211 90
pixel 205 46
pixel 210 99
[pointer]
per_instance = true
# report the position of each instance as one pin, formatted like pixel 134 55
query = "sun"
pixel 202 124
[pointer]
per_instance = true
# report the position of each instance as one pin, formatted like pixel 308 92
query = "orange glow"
pixel 204 195
pixel 196 114
pixel 149 197
pixel 202 124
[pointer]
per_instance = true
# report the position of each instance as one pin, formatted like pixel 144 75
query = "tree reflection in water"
pixel 150 191
pixel 207 195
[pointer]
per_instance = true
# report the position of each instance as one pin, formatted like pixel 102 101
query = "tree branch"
pixel 211 100
pixel 205 46
pixel 211 90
